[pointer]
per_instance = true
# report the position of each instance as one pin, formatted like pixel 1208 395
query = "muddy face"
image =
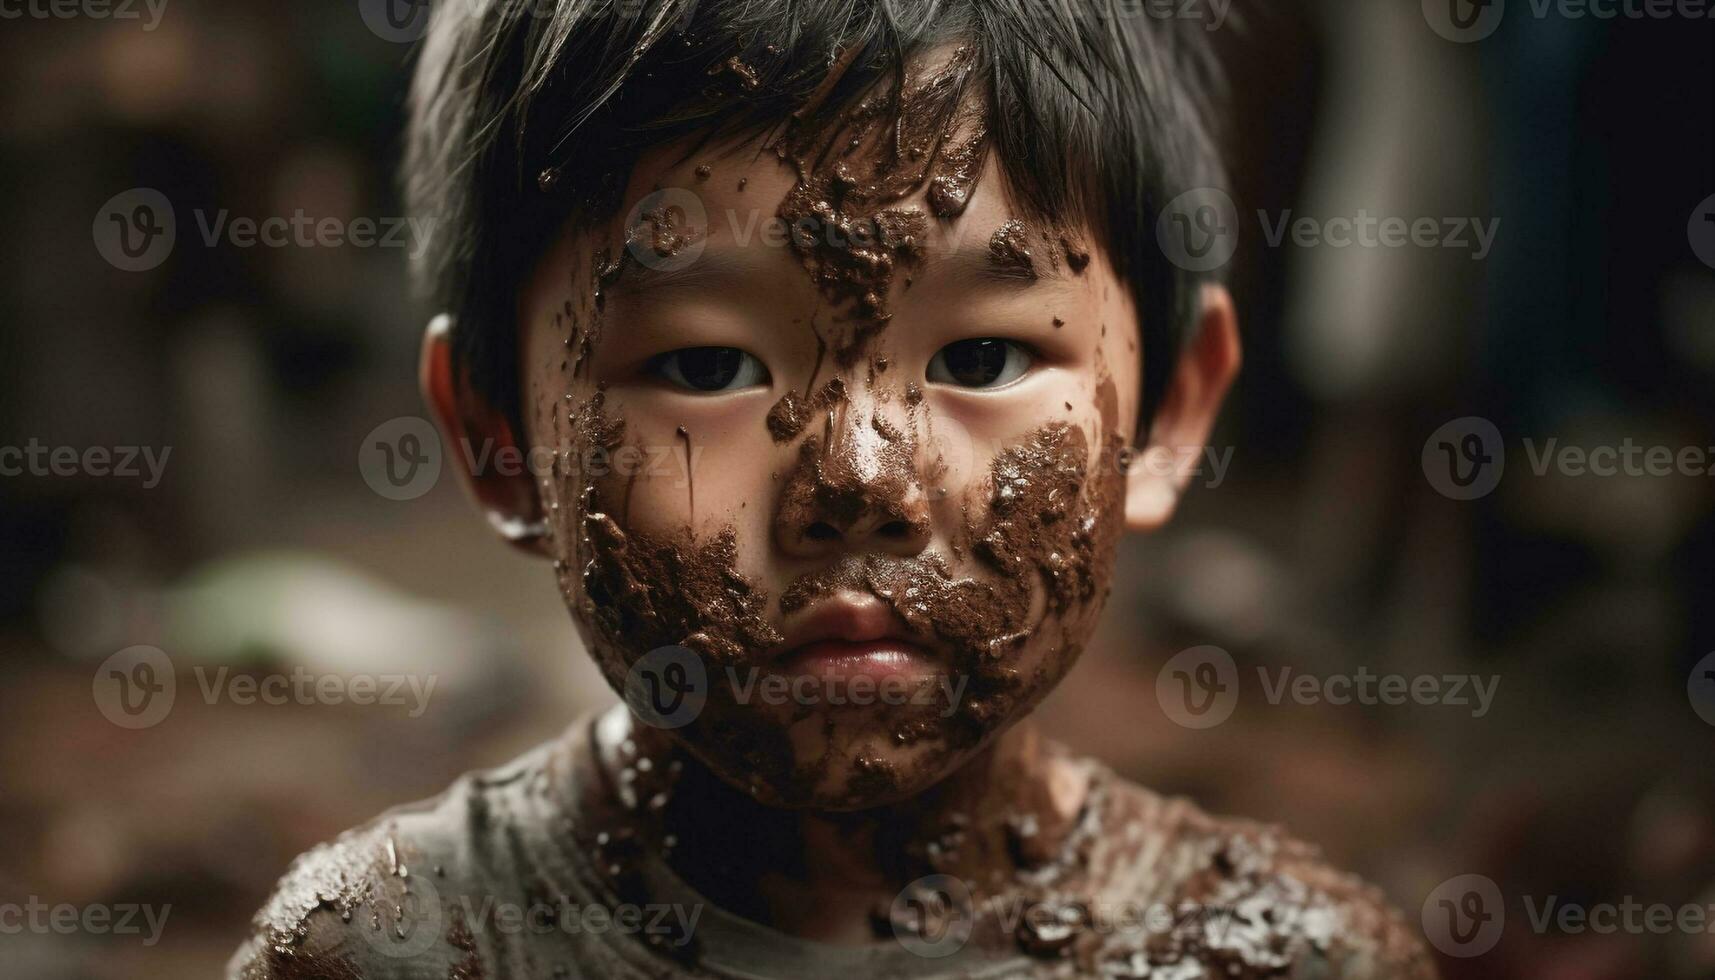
pixel 861 456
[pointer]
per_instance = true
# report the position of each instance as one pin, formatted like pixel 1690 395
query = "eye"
pixel 984 362
pixel 710 369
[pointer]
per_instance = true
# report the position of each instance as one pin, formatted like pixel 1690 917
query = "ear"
pixel 481 444
pixel 1186 415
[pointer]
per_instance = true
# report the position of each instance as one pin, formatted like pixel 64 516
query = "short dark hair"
pixel 1100 111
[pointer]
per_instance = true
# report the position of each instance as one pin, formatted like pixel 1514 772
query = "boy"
pixel 881 276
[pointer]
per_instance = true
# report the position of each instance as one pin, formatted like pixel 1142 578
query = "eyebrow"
pixel 970 264
pixel 716 268
pixel 974 263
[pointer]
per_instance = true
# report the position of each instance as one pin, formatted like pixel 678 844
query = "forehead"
pixel 722 203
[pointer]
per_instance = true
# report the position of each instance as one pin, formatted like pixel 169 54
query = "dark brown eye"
pixel 711 369
pixel 984 362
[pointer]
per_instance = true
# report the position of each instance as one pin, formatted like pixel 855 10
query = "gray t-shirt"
pixel 503 876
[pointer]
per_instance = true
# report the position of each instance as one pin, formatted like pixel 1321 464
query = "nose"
pixel 861 495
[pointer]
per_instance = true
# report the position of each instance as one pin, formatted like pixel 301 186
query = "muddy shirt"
pixel 500 877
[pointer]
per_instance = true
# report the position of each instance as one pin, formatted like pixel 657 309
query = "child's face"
pixel 910 523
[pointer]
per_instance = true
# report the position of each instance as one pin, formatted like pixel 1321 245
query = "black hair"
pixel 1100 112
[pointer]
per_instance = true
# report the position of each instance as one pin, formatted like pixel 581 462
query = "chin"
pixel 839 761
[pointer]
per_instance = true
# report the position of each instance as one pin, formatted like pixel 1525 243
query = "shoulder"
pixel 390 898
pixel 1242 898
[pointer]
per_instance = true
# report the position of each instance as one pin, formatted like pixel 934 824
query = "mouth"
pixel 854 635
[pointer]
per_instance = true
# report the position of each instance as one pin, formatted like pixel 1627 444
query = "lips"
pixel 852 635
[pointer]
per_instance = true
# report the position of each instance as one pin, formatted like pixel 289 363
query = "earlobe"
pixel 1178 438
pixel 480 444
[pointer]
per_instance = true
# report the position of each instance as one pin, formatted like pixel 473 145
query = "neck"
pixel 830 875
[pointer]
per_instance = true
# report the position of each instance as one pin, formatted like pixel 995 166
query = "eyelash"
pixel 1019 358
pixel 670 367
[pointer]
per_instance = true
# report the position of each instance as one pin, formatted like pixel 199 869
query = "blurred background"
pixel 259 546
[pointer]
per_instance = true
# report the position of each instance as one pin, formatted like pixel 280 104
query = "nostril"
pixel 821 531
pixel 894 529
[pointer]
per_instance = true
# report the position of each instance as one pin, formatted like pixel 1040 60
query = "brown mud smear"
pixel 1009 247
pixel 666 234
pixel 789 416
pixel 856 167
